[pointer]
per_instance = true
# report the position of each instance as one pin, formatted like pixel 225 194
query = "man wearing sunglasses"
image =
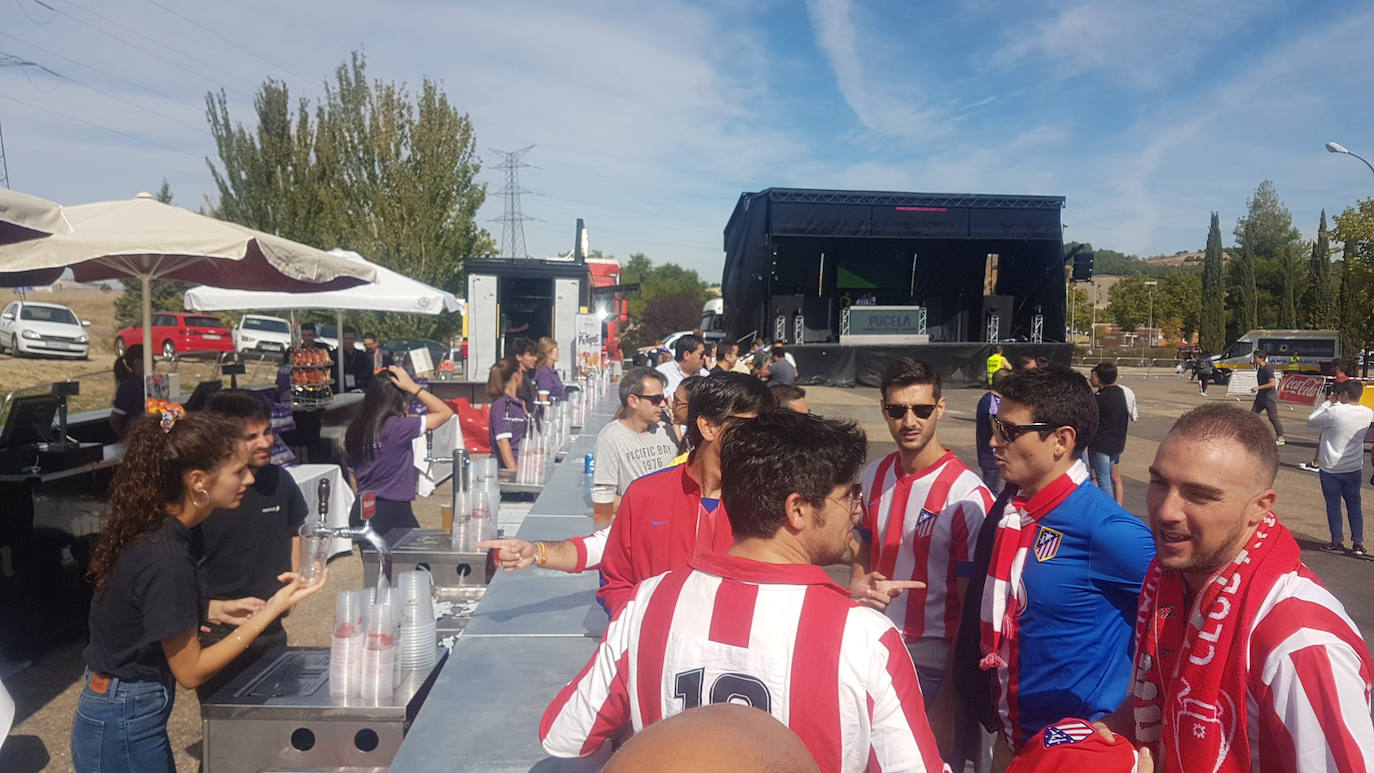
pixel 671 516
pixel 921 507
pixel 1064 571
pixel 637 443
pixel 760 622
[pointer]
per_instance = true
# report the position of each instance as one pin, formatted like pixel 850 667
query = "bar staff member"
pixel 507 418
pixel 147 607
pixel 378 445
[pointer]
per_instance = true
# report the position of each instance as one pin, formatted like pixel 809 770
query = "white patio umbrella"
pixel 389 291
pixel 144 239
pixel 24 217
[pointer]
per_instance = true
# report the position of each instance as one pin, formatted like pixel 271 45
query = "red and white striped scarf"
pixel 1016 532
pixel 1194 707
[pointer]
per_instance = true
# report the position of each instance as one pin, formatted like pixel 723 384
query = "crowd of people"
pixel 1006 617
pixel 1006 626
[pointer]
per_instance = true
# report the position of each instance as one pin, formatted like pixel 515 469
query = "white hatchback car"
pixel 29 329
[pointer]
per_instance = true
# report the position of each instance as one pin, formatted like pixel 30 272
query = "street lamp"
pixel 1336 147
pixel 1150 287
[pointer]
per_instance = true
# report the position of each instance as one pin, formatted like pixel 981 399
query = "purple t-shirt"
pixel 128 399
pixel 507 420
pixel 546 380
pixel 390 473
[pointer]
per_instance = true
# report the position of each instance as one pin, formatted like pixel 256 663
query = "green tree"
pixel 1080 308
pixel 1292 284
pixel 166 295
pixel 669 299
pixel 1244 292
pixel 1212 327
pixel 1355 231
pixel 1320 300
pixel 1177 295
pixel 1262 275
pixel 379 170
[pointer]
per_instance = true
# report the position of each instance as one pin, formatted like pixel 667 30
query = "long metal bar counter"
pixel 531 633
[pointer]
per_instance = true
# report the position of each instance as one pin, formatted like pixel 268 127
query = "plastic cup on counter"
pixel 379 655
pixel 346 645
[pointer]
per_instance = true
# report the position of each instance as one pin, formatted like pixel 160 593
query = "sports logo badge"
pixel 925 523
pixel 1047 543
pixel 1067 731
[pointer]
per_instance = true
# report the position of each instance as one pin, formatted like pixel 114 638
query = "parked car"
pixel 177 332
pixel 28 328
pixel 401 347
pixel 257 332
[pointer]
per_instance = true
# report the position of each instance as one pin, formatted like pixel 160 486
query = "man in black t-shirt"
pixel 1266 391
pixel 1113 416
pixel 241 551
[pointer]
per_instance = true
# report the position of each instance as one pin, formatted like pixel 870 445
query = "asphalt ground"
pixel 46 691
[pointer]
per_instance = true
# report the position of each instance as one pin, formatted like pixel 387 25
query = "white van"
pixel 1315 349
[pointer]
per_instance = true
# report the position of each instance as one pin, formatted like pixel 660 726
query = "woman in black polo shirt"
pixel 147 605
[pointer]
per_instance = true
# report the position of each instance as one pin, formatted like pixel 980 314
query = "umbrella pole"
pixel 147 281
pixel 338 328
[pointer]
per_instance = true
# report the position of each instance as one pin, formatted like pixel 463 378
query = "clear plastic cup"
pixel 603 504
pixel 313 553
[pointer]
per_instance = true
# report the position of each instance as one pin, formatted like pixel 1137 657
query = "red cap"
pixel 1074 745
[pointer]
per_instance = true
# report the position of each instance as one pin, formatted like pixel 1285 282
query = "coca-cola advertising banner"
pixel 1301 389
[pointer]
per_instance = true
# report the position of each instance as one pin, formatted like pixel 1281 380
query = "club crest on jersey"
pixel 925 523
pixel 1047 543
pixel 1068 731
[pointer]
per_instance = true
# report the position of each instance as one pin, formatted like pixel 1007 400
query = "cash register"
pixel 30 444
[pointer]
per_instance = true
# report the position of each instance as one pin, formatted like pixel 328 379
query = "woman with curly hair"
pixel 147 607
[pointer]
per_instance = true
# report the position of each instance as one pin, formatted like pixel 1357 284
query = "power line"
pixel 131 44
pixel 224 39
pixel 97 70
pixel 110 129
pixel 24 63
pixel 20 3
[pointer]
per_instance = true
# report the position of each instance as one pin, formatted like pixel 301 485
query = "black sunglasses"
pixel 897 411
pixel 655 399
pixel 1010 432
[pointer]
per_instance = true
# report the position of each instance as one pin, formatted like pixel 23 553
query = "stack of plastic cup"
pixel 417 622
pixel 379 655
pixel 346 648
pixel 481 513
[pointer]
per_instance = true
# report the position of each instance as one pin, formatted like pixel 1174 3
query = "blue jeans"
pixel 124 730
pixel 1101 466
pixel 1335 487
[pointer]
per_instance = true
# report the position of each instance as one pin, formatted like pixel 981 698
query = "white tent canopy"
pixel 390 291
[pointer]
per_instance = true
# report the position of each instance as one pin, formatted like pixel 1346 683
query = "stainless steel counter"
pixel 279 715
pixel 532 632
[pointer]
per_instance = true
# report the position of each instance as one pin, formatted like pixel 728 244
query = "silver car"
pixel 30 329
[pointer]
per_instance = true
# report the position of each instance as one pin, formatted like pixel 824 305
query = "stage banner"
pixel 1301 389
pixel 1240 383
pixel 588 343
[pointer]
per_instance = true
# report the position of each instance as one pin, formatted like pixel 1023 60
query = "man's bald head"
pixel 720 738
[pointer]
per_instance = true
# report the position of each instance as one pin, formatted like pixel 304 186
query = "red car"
pixel 176 332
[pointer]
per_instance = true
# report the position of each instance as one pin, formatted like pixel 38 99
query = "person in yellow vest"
pixel 995 363
pixel 1294 362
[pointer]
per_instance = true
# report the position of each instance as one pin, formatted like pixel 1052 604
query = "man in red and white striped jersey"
pixel 922 510
pixel 1243 660
pixel 762 624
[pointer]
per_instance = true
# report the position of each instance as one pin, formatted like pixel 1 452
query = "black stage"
pixel 959 364
pixel 794 257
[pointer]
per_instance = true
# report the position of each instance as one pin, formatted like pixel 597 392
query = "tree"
pixel 669 299
pixel 1212 328
pixel 379 170
pixel 1080 307
pixel 1244 291
pixel 1262 275
pixel 166 295
pixel 1355 231
pixel 1178 294
pixel 1320 300
pixel 1293 283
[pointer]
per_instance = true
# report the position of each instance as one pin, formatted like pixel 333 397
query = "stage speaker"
pixel 948 319
pixel 999 305
pixel 819 319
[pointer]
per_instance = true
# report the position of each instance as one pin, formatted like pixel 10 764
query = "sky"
pixel 649 118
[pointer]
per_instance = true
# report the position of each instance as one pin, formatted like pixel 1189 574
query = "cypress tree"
pixel 1212 334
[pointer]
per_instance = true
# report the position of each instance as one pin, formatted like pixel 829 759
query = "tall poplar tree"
pixel 1212 332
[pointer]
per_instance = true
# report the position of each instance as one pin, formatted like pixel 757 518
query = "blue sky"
pixel 649 118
